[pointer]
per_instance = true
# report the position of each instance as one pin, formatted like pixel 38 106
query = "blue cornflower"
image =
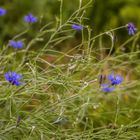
pixel 2 12
pixel 131 28
pixel 13 78
pixel 115 80
pixel 30 18
pixel 16 44
pixel 77 27
pixel 106 88
pixel 102 78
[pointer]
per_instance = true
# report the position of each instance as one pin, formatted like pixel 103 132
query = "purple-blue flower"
pixel 77 27
pixel 16 44
pixel 131 28
pixel 30 18
pixel 106 88
pixel 2 11
pixel 102 78
pixel 115 80
pixel 13 78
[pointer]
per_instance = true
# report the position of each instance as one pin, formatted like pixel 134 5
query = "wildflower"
pixel 115 80
pixel 131 28
pixel 30 18
pixel 102 78
pixel 106 88
pixel 2 12
pixel 77 27
pixel 16 44
pixel 18 121
pixel 13 78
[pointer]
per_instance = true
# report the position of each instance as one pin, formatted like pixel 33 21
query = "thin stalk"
pixel 61 12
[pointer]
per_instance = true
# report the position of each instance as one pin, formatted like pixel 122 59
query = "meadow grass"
pixel 61 98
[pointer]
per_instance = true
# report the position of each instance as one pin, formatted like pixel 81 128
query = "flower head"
pixel 16 44
pixel 30 18
pixel 2 12
pixel 106 88
pixel 77 27
pixel 131 28
pixel 13 78
pixel 102 78
pixel 115 80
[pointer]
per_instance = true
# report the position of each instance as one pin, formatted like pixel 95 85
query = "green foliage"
pixel 62 98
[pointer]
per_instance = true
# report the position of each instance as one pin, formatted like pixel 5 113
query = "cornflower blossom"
pixel 115 80
pixel 16 44
pixel 102 78
pixel 13 78
pixel 30 18
pixel 109 86
pixel 77 27
pixel 106 88
pixel 131 28
pixel 2 11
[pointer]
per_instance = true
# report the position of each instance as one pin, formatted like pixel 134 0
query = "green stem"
pixel 108 31
pixel 61 12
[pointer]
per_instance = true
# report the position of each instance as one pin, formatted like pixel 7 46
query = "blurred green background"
pixel 103 15
pixel 60 80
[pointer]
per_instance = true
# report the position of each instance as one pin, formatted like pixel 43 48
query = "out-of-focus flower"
pixel 30 18
pixel 77 27
pixel 115 80
pixel 106 88
pixel 102 78
pixel 2 11
pixel 13 78
pixel 16 44
pixel 131 28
